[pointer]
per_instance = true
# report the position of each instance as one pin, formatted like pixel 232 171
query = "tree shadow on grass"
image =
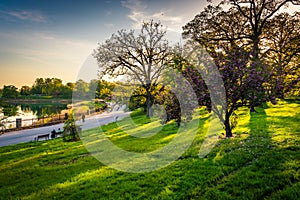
pixel 112 184
pixel 254 166
pixel 40 166
pixel 246 167
pixel 264 168
pixel 263 164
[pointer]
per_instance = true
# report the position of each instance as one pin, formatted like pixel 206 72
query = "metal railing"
pixel 21 123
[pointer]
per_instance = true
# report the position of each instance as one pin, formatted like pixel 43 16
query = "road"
pixel 28 135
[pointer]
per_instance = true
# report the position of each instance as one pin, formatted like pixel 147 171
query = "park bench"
pixel 45 136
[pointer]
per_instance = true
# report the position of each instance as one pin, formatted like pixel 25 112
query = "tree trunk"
pixel 227 126
pixel 256 49
pixel 149 104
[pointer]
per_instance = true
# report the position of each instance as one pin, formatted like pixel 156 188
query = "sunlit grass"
pixel 261 162
pixel 243 121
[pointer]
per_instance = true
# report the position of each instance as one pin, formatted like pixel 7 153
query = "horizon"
pixel 44 39
pixel 47 39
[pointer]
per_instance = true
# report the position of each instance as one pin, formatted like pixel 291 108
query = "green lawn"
pixel 262 161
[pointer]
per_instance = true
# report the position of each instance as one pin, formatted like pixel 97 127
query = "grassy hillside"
pixel 262 161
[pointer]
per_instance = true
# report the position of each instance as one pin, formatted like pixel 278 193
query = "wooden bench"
pixel 45 136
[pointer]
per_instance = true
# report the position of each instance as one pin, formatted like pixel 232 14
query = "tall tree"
pixel 243 24
pixel 81 90
pixel 25 90
pixel 140 57
pixel 10 92
pixel 246 24
pixel 282 39
pixel 228 33
pixel 257 13
pixel 48 86
pixel 70 85
pixel 104 89
pixel 242 84
pixel 38 87
pixel 170 101
pixel 56 87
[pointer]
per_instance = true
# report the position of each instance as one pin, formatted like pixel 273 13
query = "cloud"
pixel 108 13
pixel 109 25
pixel 43 48
pixel 26 15
pixel 29 54
pixel 139 12
pixel 134 4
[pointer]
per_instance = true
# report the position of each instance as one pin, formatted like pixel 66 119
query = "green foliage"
pixel 260 162
pixel 9 110
pixel 234 120
pixel 10 92
pixel 44 108
pixel 99 89
pixel 255 47
pixel 138 99
pixel 292 82
pixel 51 87
pixel 104 89
pixel 71 130
pixel 141 56
pixel 25 90
pixel 81 89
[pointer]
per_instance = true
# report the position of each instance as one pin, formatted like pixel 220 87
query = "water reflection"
pixel 41 110
pixel 9 109
pixel 29 113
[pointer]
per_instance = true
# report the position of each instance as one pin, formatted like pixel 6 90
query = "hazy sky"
pixel 53 38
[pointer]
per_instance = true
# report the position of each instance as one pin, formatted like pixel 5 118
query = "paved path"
pixel 27 135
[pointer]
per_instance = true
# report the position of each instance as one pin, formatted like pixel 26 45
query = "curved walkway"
pixel 28 135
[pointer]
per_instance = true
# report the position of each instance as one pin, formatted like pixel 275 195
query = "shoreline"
pixel 50 123
pixel 36 101
pixel 31 127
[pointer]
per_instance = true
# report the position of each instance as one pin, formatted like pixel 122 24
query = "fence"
pixel 21 123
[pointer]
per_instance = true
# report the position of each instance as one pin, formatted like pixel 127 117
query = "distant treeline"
pixel 48 88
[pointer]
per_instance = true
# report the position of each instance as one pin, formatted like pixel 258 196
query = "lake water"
pixel 29 113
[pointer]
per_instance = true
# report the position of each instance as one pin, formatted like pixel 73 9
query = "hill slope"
pixel 261 162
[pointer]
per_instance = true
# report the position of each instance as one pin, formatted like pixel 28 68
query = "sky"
pixel 54 38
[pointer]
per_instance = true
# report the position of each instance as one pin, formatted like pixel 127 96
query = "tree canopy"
pixel 10 92
pixel 255 47
pixel 54 88
pixel 140 57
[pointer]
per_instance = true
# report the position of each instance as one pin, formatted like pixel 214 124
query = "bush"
pixel 71 130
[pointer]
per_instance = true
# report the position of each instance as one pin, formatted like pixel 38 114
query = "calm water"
pixel 29 113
